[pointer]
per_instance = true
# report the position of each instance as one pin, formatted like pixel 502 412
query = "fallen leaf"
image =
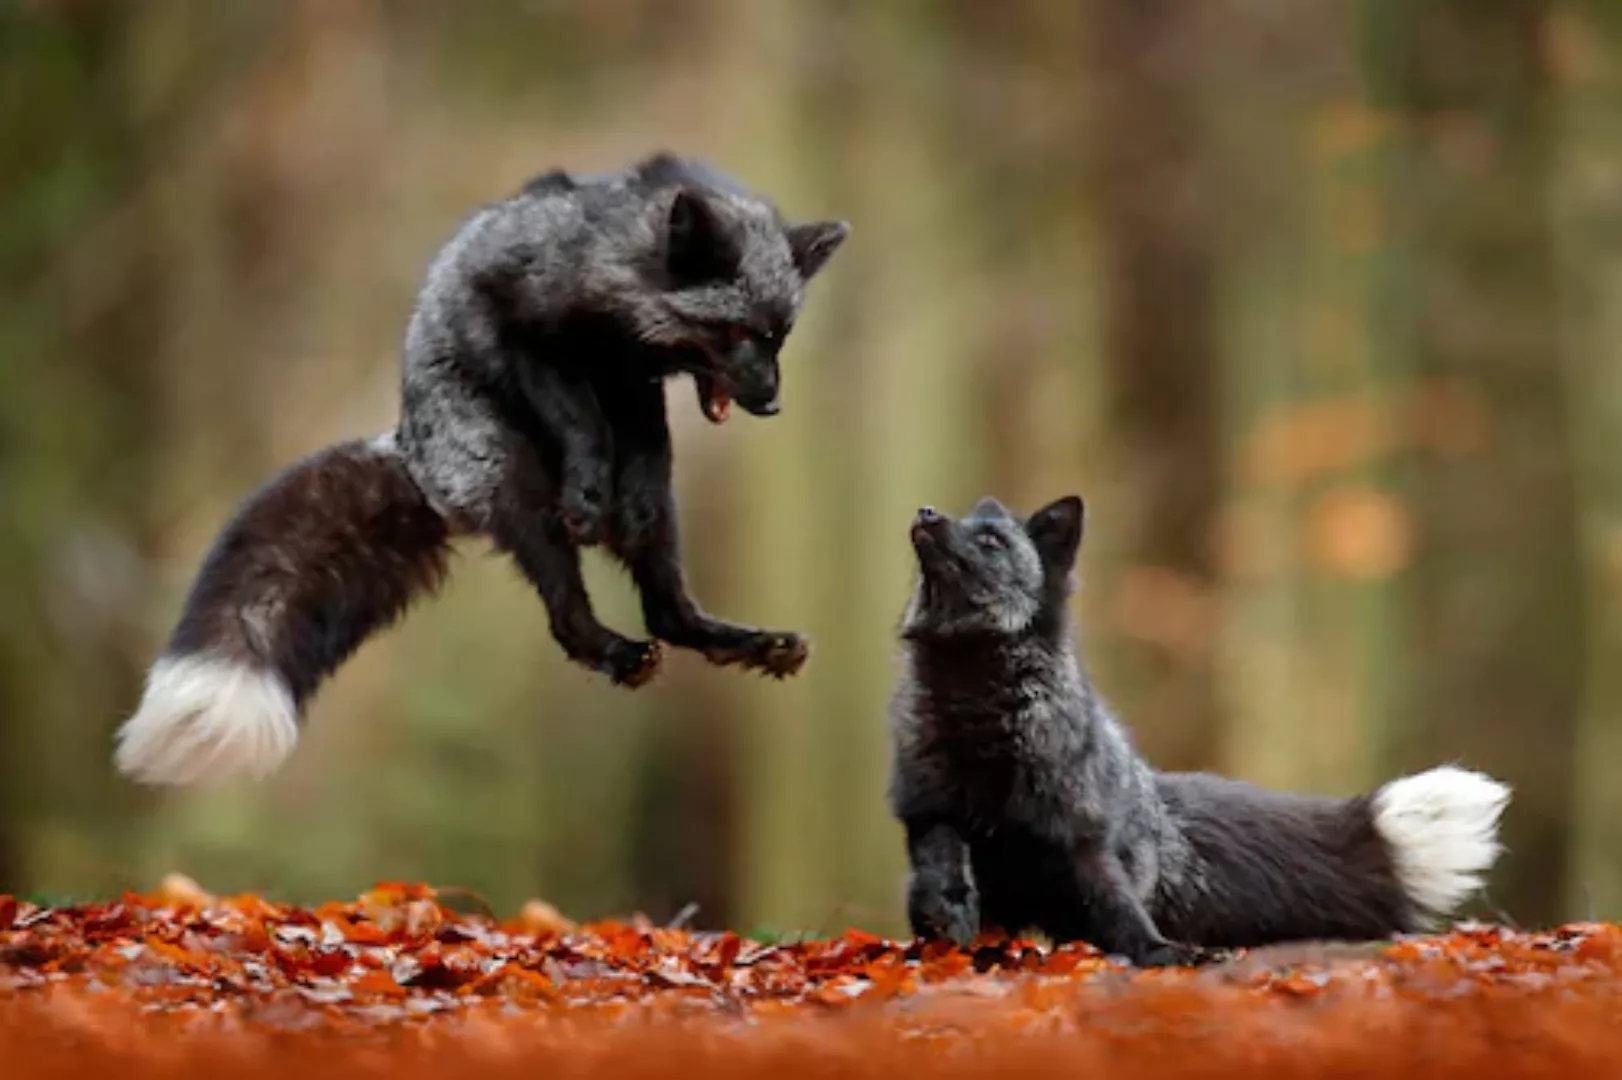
pixel 542 919
pixel 149 987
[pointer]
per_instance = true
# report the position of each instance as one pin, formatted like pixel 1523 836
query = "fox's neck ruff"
pixel 989 681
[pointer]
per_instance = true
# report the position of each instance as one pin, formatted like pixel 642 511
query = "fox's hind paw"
pixel 632 663
pixel 774 654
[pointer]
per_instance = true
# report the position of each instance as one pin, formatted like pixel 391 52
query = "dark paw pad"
pixel 633 663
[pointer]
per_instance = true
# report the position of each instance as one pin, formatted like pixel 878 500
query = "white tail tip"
pixel 1442 826
pixel 204 719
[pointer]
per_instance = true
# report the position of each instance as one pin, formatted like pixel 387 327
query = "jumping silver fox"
pixel 1027 807
pixel 533 413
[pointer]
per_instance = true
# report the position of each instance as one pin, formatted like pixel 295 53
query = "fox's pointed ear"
pixel 696 244
pixel 989 507
pixel 1056 530
pixel 814 242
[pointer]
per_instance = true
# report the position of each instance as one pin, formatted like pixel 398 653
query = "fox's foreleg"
pixel 643 534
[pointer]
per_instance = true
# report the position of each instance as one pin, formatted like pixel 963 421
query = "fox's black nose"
pixel 757 403
pixel 927 525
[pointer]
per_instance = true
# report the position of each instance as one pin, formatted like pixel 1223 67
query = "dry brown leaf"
pixel 181 891
pixel 539 917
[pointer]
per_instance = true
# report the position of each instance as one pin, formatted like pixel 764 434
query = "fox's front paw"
pixel 775 654
pixel 584 508
pixel 959 924
pixel 633 663
pixel 950 914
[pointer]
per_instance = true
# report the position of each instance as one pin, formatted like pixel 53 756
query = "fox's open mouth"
pixel 714 396
pixel 720 383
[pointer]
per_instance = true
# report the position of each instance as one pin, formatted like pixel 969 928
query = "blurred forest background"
pixel 1318 303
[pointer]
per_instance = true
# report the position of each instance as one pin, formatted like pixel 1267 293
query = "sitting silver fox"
pixel 1027 807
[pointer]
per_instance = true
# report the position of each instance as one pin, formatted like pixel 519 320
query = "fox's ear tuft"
pixel 697 247
pixel 1056 530
pixel 813 244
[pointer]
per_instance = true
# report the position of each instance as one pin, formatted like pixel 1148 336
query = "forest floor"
pixel 181 983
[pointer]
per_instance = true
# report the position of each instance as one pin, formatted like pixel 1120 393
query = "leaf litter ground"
pixel 183 983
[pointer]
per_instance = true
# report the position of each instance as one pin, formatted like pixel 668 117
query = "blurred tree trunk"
pixel 1019 226
pixel 685 824
pixel 988 43
pixel 80 334
pixel 1495 592
pixel 1312 534
pixel 1591 233
pixel 1161 351
pixel 789 843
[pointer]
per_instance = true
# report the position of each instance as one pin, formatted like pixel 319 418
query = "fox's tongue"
pixel 714 400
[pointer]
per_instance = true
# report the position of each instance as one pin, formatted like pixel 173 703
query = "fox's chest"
pixel 1024 879
pixel 1003 786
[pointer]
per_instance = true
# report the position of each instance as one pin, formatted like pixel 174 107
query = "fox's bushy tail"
pixel 324 555
pixel 1267 866
pixel 1441 829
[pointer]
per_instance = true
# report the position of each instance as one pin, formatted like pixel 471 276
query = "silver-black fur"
pixel 534 399
pixel 532 413
pixel 1027 807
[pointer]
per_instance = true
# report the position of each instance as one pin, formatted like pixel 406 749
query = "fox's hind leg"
pixel 552 564
pixel 1110 916
pixel 540 543
pixel 568 408
pixel 485 477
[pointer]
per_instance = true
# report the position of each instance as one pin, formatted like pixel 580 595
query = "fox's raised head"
pixel 991 573
pixel 729 277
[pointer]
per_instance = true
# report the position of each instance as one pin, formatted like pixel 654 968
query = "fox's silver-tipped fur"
pixel 532 414
pixel 314 562
pixel 1442 829
pixel 1026 805
pixel 206 719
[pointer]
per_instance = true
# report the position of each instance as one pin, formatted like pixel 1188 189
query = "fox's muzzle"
pixel 929 528
pixel 752 371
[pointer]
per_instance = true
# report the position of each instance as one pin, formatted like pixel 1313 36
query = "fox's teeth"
pixel 720 406
pixel 714 399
